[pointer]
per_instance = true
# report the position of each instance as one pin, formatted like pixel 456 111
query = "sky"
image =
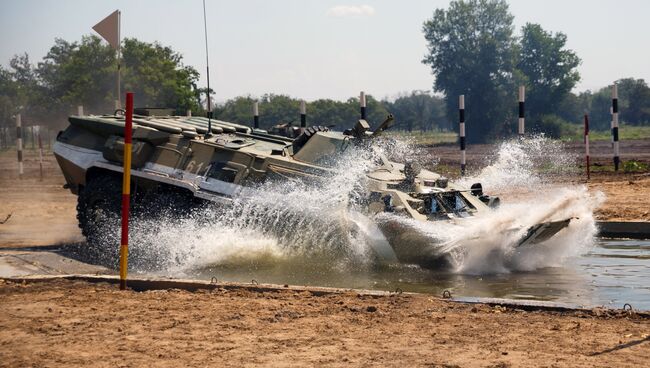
pixel 315 49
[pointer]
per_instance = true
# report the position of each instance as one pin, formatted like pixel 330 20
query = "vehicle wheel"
pixel 98 212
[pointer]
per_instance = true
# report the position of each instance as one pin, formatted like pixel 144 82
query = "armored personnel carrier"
pixel 176 159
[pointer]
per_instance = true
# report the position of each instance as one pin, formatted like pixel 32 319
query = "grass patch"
pixel 624 132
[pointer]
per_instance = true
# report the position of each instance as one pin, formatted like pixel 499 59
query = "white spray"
pixel 315 223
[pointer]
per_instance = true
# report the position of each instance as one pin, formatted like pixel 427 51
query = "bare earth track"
pixel 66 323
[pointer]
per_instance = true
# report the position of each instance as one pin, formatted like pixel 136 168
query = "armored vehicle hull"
pixel 176 159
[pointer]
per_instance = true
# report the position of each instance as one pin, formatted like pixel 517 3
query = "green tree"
pixel 83 73
pixel 635 101
pixel 549 70
pixel 470 51
pixel 79 74
pixel 158 77
pixel 418 110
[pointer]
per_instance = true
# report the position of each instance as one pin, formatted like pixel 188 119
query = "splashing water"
pixel 521 164
pixel 294 223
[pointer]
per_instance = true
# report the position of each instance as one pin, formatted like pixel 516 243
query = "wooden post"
pixel 587 145
pixel 461 132
pixel 40 152
pixel 126 191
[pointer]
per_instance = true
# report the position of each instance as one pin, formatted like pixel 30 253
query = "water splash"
pixel 298 223
pixel 523 164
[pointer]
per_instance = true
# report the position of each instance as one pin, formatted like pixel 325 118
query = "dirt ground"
pixel 71 323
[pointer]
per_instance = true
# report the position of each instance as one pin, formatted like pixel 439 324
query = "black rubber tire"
pixel 98 212
pixel 300 141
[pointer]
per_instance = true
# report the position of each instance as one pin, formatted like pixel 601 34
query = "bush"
pixel 552 126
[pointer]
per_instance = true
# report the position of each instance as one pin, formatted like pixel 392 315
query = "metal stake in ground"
pixel 522 98
pixel 615 125
pixel 126 191
pixel 256 116
pixel 303 114
pixel 461 132
pixel 362 103
pixel 19 144
pixel 587 144
pixel 40 152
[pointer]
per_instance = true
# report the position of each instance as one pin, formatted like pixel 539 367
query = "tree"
pixel 470 51
pixel 634 95
pixel 158 77
pixel 84 74
pixel 418 110
pixel 549 70
pixel 79 74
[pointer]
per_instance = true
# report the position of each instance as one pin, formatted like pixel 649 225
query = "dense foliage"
pixel 83 73
pixel 472 51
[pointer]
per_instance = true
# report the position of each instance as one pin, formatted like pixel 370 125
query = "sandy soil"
pixel 66 323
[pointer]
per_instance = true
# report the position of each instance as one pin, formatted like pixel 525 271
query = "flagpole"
pixel 119 57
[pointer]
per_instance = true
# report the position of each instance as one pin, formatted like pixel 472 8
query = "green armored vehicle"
pixel 176 160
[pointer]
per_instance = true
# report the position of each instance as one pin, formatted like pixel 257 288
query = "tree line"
pixel 472 50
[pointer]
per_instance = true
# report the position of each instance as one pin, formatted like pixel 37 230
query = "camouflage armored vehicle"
pixel 177 158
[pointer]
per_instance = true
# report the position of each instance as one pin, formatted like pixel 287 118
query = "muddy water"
pixel 612 273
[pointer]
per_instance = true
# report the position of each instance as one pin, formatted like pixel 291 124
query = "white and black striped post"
pixel 461 131
pixel 19 144
pixel 522 99
pixel 256 116
pixel 615 125
pixel 303 114
pixel 611 126
pixel 587 145
pixel 362 103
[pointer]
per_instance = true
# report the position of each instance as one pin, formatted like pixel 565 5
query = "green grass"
pixel 624 132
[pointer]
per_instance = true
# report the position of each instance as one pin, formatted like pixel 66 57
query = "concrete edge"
pixel 619 229
pixel 144 284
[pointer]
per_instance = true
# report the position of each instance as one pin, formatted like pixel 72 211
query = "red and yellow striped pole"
pixel 126 190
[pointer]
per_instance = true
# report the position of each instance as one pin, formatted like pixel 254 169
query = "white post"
pixel 362 103
pixel 522 98
pixel 615 125
pixel 80 110
pixel 256 116
pixel 461 131
pixel 188 113
pixel 19 144
pixel 303 114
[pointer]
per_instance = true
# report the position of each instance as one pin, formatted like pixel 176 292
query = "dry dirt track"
pixel 66 323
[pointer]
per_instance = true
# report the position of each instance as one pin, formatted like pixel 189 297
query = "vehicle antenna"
pixel 208 134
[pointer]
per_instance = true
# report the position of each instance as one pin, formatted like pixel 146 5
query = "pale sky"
pixel 324 49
